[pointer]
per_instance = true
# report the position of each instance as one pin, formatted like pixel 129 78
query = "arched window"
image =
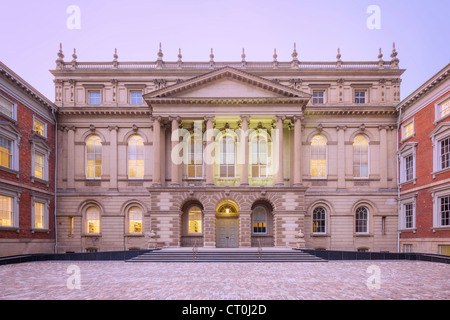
pixel 318 157
pixel 135 220
pixel 362 220
pixel 135 157
pixel 227 156
pixel 319 220
pixel 93 220
pixel 93 158
pixel 195 220
pixel 259 217
pixel 259 156
pixel 195 157
pixel 360 157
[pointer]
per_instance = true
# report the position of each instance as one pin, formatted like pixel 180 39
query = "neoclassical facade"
pixel 227 154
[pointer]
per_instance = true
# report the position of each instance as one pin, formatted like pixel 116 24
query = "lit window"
pixel 38 165
pixel 93 220
pixel 39 127
pixel 318 157
pixel 195 220
pixel 445 108
pixel 6 107
pixel 408 130
pixel 5 152
pixel 6 211
pixel 259 156
pixel 362 220
pixel 94 97
pixel 93 158
pixel 318 97
pixel 195 157
pixel 360 157
pixel 136 97
pixel 319 220
pixel 444 250
pixel 227 157
pixel 135 220
pixel 259 217
pixel 39 215
pixel 135 157
pixel 360 97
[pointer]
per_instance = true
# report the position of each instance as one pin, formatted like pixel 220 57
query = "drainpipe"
pixel 56 165
pixel 398 181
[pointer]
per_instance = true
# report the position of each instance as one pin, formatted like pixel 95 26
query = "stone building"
pixel 27 167
pixel 424 167
pixel 227 154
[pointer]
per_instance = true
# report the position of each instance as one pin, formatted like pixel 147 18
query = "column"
pixel 244 150
pixel 209 228
pixel 383 161
pixel 113 156
pixel 71 157
pixel 297 151
pixel 157 151
pixel 279 141
pixel 245 229
pixel 208 159
pixel 175 138
pixel 341 156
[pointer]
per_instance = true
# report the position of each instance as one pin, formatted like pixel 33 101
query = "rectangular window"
pixel 318 97
pixel 39 215
pixel 409 167
pixel 444 153
pixel 71 226
pixel 360 97
pixel 6 107
pixel 195 158
pixel 39 165
pixel 94 97
pixel 408 130
pixel 39 127
pixel 445 108
pixel 5 152
pixel 407 248
pixel 6 211
pixel 195 220
pixel 444 211
pixel 444 250
pixel 409 215
pixel 135 97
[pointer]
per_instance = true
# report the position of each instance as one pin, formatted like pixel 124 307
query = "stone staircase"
pixel 228 255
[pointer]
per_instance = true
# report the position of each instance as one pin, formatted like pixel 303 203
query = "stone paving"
pixel 111 280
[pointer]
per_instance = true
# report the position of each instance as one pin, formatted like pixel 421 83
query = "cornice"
pixel 359 111
pixel 104 111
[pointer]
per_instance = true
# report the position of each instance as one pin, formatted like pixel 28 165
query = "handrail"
pixel 195 250
pixel 259 250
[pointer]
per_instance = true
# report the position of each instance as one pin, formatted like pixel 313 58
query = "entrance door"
pixel 227 235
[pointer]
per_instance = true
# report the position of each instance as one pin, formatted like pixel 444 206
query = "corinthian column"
pixel 279 149
pixel 244 149
pixel 157 151
pixel 207 156
pixel 297 151
pixel 175 140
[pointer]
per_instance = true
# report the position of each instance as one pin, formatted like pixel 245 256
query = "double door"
pixel 227 232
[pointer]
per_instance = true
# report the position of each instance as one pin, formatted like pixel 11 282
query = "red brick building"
pixel 27 167
pixel 424 167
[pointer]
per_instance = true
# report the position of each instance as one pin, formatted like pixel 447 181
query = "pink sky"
pixel 32 30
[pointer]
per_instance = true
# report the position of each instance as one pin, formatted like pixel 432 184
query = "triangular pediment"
pixel 227 84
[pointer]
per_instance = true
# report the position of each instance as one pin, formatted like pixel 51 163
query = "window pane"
pixel 93 157
pixel 38 127
pixel 6 107
pixel 319 220
pixel 39 215
pixel 259 217
pixel 318 157
pixel 135 220
pixel 445 211
pixel 93 220
pixel 94 97
pixel 361 219
pixel 5 152
pixel 360 156
pixel 39 165
pixel 195 220
pixel 6 214
pixel 136 97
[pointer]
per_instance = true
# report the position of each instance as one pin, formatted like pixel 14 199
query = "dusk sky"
pixel 32 30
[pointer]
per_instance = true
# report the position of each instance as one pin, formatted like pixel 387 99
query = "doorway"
pixel 227 232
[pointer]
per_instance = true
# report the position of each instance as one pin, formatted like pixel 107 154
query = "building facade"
pixel 424 168
pixel 27 167
pixel 227 154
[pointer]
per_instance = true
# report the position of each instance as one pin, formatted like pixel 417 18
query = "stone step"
pixel 226 256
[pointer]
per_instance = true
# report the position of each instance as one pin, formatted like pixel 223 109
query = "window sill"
pixel 319 235
pixel 408 181
pixel 135 235
pixel 43 181
pixel 362 235
pixel 17 173
pixel 9 228
pixel 40 230
pixel 93 235
pixel 440 171
pixel 407 138
pixel 413 230
pixel 434 229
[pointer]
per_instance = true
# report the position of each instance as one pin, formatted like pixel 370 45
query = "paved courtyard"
pixel 223 281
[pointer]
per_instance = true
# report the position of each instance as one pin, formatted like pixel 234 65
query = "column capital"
pixel 298 117
pixel 176 118
pixel 341 127
pixel 280 117
pixel 208 118
pixel 245 117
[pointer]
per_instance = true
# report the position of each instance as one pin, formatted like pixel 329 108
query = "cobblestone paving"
pixel 222 281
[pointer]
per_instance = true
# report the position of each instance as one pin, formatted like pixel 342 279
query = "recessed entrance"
pixel 227 226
